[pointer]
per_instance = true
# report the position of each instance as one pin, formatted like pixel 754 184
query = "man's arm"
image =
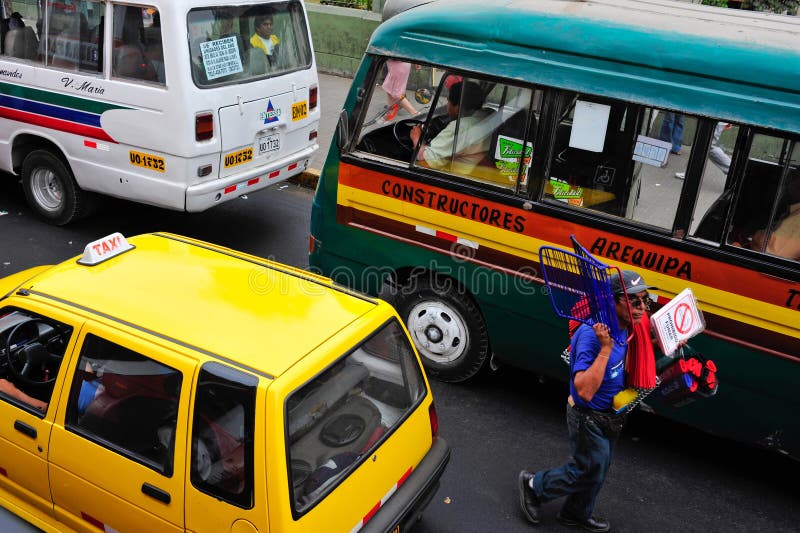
pixel 588 381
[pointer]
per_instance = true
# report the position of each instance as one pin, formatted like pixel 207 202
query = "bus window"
pixel 608 157
pixel 474 130
pixel 243 43
pixel 767 214
pixel 20 29
pixel 484 130
pixel 714 195
pixel 132 40
pixel 75 36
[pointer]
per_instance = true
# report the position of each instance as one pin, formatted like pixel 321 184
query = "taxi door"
pixel 117 450
pixel 25 431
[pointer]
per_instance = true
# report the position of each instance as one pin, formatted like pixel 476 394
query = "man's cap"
pixel 633 283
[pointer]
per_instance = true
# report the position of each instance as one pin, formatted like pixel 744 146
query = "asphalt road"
pixel 665 477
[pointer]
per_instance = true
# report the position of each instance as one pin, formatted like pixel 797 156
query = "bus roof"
pixel 724 63
pixel 247 310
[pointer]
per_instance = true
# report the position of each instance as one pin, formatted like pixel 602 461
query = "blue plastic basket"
pixel 580 289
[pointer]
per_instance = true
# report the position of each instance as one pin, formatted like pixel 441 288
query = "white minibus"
pixel 174 103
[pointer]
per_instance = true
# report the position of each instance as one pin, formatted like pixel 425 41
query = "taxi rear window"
pixel 345 412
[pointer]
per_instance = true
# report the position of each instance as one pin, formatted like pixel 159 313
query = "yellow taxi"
pixel 160 383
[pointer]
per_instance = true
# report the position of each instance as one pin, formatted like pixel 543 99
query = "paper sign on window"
pixel 651 151
pixel 221 57
pixel 589 126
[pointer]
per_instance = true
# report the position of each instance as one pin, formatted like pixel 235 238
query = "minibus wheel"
pixel 50 188
pixel 446 326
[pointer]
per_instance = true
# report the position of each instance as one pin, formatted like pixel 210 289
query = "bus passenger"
pixel 473 137
pixel 784 241
pixel 264 39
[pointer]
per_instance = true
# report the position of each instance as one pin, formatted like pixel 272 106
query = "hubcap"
pixel 439 331
pixel 46 189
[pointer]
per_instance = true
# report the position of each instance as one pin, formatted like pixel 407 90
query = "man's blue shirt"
pixel 583 352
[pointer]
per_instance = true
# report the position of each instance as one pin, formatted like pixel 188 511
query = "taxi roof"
pixel 726 63
pixel 248 310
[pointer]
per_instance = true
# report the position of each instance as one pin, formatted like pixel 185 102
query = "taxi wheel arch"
pixel 445 323
pixel 50 188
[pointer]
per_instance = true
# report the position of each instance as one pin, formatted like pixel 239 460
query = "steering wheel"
pixel 34 358
pixel 402 132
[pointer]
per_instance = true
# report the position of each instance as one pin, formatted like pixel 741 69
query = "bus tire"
pixel 447 328
pixel 51 189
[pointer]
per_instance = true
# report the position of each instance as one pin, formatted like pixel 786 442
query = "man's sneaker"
pixel 680 175
pixel 595 524
pixel 527 498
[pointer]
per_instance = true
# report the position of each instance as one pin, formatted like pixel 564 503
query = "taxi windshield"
pixel 239 44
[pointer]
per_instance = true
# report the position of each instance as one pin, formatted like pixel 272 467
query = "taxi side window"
pixel 31 350
pixel 125 401
pixel 222 434
pixel 342 414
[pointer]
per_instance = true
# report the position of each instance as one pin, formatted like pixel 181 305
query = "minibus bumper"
pixel 216 191
pixel 406 505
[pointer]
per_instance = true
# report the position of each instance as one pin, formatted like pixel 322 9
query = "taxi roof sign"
pixel 104 249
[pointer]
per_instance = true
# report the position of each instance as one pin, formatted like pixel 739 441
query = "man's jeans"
pixel 672 130
pixel 581 478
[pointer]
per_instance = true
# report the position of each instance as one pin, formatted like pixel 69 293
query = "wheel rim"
pixel 439 331
pixel 47 189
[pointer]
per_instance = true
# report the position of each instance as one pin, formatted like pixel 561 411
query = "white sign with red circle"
pixel 679 319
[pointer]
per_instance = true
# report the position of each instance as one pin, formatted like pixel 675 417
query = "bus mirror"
pixel 342 131
pixel 422 95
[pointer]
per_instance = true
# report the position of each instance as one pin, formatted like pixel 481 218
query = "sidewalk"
pixel 332 93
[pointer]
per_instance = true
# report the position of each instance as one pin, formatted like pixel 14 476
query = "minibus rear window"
pixel 246 43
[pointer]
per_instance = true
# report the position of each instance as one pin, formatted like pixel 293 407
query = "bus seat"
pixel 257 62
pixel 129 62
pixel 22 43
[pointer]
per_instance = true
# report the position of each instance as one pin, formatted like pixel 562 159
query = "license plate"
pixel 269 143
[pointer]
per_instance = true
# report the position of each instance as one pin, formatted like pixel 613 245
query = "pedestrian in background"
pixel 672 131
pixel 597 374
pixel 395 85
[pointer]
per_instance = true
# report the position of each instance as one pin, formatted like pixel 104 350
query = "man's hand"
pixel 415 134
pixel 601 331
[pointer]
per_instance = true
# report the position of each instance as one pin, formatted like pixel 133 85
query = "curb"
pixel 308 178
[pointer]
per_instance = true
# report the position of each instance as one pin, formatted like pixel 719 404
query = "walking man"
pixel 597 373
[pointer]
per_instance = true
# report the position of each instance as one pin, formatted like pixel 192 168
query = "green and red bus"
pixel 574 133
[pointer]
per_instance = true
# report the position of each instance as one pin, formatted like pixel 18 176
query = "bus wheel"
pixel 50 188
pixel 447 328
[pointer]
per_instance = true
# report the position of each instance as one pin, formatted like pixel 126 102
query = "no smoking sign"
pixel 679 319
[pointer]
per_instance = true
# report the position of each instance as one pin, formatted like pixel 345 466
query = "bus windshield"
pixel 245 43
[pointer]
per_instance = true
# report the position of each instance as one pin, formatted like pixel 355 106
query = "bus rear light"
pixel 312 135
pixel 434 421
pixel 312 98
pixel 204 126
pixel 203 171
pixel 311 244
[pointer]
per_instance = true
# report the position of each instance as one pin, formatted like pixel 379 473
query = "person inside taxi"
pixel 471 137
pixel 9 389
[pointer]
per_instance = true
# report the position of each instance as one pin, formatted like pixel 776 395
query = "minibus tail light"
pixel 434 421
pixel 312 98
pixel 204 126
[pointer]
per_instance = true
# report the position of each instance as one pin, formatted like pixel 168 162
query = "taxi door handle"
pixel 25 429
pixel 155 492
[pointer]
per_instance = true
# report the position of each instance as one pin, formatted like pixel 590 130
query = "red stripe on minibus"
pixel 55 124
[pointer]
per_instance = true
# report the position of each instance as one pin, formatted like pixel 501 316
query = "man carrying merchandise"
pixel 597 374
